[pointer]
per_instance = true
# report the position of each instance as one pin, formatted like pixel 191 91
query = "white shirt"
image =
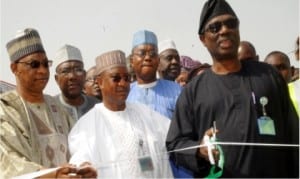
pixel 114 141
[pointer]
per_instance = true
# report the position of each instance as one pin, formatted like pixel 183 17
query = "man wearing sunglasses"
pixel 70 77
pixel 121 139
pixel 244 101
pixel 34 129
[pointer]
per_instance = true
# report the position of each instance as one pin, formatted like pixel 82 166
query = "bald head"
pixel 246 51
pixel 281 62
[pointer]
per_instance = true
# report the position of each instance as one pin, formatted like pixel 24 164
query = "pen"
pixel 214 129
pixel 253 97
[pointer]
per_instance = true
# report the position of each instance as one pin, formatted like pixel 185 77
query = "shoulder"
pixel 145 110
pixel 257 66
pixel 133 84
pixel 91 99
pixel 151 118
pixel 9 96
pixel 169 87
pixel 263 71
pixel 168 83
pixel 89 116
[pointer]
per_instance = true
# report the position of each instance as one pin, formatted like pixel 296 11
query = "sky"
pixel 98 26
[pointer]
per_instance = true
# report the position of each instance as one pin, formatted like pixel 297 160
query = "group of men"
pixel 152 127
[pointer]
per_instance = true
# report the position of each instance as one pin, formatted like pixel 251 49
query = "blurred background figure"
pixel 197 71
pixel 246 51
pixel 295 70
pixel 281 62
pixel 90 87
pixel 294 87
pixel 130 69
pixel 169 60
pixel 186 64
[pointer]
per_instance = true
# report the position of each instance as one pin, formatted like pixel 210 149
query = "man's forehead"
pixel 70 63
pixel 145 47
pixel 35 56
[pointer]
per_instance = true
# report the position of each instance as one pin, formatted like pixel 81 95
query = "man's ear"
pixel 130 60
pixel 202 39
pixel 99 80
pixel 14 68
pixel 56 78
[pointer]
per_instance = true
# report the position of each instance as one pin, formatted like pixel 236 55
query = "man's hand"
pixel 67 171
pixel 87 171
pixel 203 151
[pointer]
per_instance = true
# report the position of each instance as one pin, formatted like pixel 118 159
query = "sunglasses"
pixel 92 80
pixel 36 64
pixel 215 27
pixel 118 78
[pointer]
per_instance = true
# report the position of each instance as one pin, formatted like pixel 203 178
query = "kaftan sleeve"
pixel 15 147
pixel 161 126
pixel 78 145
pixel 82 140
pixel 182 134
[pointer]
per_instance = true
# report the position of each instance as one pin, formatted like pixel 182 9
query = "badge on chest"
pixel 265 123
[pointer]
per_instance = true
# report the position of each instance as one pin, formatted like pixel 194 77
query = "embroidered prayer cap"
pixel 188 63
pixel 67 53
pixel 144 37
pixel 111 59
pixel 211 9
pixel 26 42
pixel 165 45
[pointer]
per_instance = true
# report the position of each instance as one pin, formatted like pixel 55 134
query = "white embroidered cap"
pixel 166 44
pixel 66 53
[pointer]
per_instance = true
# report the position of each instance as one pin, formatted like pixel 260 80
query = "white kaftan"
pixel 114 141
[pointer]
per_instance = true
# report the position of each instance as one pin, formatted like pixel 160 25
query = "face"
pixel 182 78
pixel 70 77
pixel 221 37
pixel 114 85
pixel 144 61
pixel 32 72
pixel 246 52
pixel 281 64
pixel 169 65
pixel 91 87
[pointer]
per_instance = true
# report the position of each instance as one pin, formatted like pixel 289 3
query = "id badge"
pixel 266 126
pixel 146 164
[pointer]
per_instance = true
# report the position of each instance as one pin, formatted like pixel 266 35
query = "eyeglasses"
pixel 143 53
pixel 215 27
pixel 92 79
pixel 77 71
pixel 36 64
pixel 117 78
